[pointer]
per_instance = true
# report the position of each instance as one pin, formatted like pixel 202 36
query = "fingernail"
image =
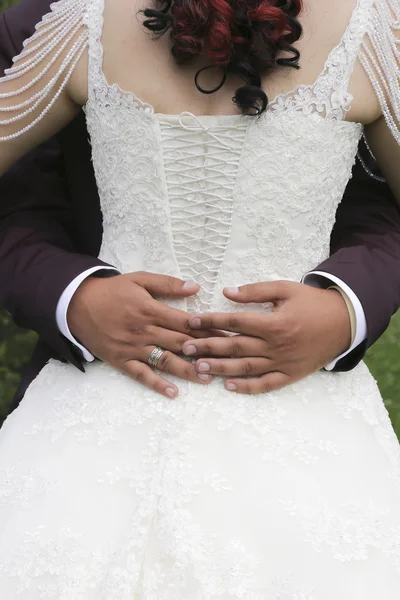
pixel 171 392
pixel 189 350
pixel 188 285
pixel 203 366
pixel 231 386
pixel 232 291
pixel 203 376
pixel 195 323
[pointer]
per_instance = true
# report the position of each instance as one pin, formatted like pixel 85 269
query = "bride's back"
pixel 141 64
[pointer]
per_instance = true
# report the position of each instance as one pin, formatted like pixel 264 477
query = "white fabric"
pixel 63 305
pixel 316 279
pixel 109 491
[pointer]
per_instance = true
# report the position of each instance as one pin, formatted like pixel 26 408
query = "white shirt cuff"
pixel 314 279
pixel 63 305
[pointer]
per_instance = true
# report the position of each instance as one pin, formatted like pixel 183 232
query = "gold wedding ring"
pixel 155 356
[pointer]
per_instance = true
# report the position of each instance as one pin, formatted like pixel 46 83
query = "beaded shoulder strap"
pixel 380 57
pixel 95 20
pixel 50 56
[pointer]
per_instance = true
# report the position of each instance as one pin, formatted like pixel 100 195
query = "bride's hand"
pixel 119 320
pixel 306 330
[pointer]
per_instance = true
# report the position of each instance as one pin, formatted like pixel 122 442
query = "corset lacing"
pixel 201 167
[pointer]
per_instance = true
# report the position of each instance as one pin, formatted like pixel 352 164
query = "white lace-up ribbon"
pixel 198 125
pixel 201 165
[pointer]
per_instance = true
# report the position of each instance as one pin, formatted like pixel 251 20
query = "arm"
pixel 37 255
pixel 365 255
pixel 35 93
pixel 376 228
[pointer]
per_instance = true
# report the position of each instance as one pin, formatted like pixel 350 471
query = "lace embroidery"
pixel 87 412
pixel 54 563
pixel 60 38
pixel 19 489
pixel 351 532
pixel 288 229
pixel 30 564
pixel 329 95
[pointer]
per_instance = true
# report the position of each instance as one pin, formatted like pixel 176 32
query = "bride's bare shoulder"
pixel 123 20
pixel 327 18
pixel 120 26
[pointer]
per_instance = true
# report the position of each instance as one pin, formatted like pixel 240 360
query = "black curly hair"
pixel 242 37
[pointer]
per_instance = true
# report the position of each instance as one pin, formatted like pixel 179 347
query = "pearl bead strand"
pixel 380 57
pixel 61 31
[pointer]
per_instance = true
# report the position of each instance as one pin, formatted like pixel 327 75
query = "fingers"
pixel 267 383
pixel 234 367
pixel 170 340
pixel 207 333
pixel 164 285
pixel 171 318
pixel 174 365
pixel 271 291
pixel 142 373
pixel 178 321
pixel 230 346
pixel 245 323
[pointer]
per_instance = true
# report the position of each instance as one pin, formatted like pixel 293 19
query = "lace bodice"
pixel 223 200
pixel 232 201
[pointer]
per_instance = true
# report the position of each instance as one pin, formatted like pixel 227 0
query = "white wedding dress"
pixel 109 491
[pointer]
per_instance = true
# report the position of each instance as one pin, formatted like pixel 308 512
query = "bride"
pixel 109 490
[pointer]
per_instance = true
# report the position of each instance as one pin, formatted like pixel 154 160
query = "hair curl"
pixel 242 37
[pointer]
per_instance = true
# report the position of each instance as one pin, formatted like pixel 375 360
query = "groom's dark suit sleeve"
pixel 38 258
pixel 365 253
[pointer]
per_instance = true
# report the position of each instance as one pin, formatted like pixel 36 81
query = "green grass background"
pixel 16 347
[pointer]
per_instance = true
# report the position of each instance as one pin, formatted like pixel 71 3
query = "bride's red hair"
pixel 243 37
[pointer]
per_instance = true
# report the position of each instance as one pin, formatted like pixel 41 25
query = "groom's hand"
pixel 119 320
pixel 306 329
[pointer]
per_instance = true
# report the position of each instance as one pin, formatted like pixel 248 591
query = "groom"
pixel 52 282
